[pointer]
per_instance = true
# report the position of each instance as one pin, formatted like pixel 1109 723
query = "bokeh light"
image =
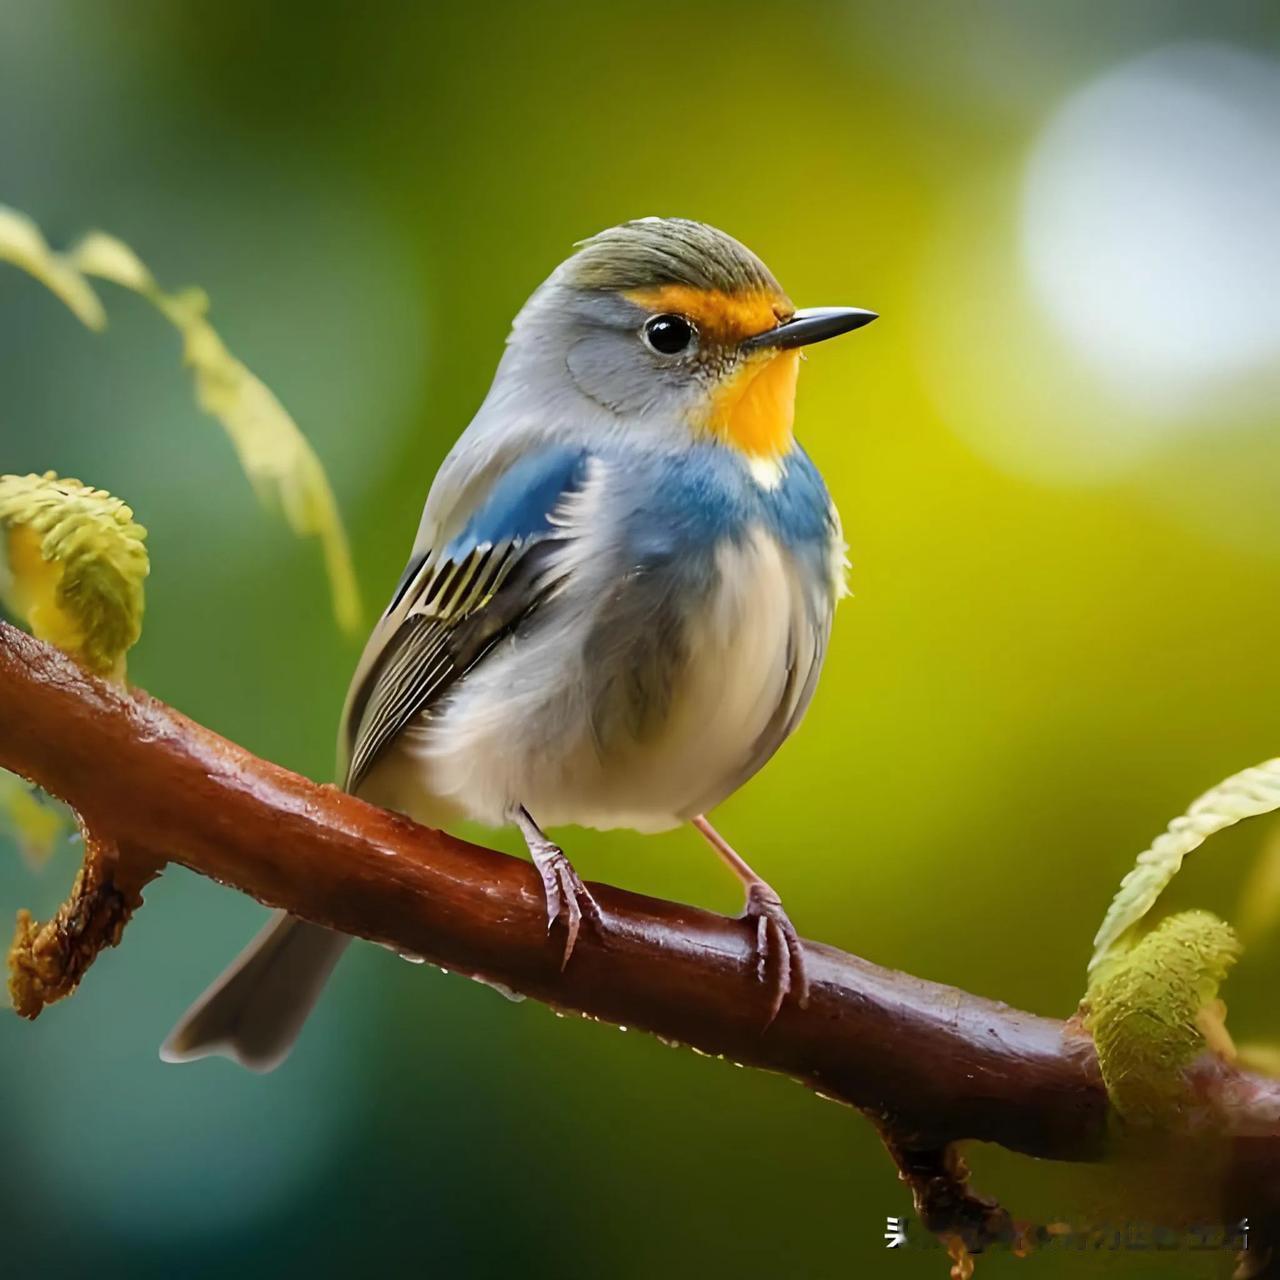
pixel 1149 223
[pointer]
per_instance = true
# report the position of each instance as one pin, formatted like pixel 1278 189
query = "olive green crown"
pixel 650 252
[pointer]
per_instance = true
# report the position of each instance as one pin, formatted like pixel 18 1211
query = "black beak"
pixel 817 324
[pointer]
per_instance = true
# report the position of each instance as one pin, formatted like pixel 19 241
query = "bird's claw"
pixel 776 936
pixel 566 895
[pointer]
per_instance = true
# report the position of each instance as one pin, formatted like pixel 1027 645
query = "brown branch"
pixel 47 961
pixel 938 1180
pixel 930 1064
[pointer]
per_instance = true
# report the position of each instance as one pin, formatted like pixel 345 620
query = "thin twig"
pixel 47 961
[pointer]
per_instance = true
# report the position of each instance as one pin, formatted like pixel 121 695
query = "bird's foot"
pixel 565 892
pixel 776 940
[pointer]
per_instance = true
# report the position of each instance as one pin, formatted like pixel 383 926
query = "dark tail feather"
pixel 255 1010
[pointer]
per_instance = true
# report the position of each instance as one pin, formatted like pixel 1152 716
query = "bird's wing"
pixel 454 601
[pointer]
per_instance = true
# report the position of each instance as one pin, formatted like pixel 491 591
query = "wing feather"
pixel 453 605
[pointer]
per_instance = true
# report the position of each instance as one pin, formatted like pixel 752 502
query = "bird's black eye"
pixel 669 334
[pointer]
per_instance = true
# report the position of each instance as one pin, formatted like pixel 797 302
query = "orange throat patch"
pixel 755 410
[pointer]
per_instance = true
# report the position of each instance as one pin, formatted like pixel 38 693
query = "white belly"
pixel 518 730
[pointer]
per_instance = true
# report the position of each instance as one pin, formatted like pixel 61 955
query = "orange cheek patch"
pixel 756 409
pixel 725 318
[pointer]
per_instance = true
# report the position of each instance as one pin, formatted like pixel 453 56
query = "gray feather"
pixel 255 1010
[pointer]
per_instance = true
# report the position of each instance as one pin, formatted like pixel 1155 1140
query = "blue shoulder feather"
pixel 520 503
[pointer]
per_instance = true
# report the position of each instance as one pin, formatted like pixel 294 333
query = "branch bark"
pixel 931 1065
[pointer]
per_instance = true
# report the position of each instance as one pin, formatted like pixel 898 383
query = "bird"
pixel 617 606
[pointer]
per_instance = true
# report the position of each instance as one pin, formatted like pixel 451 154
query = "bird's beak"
pixel 817 324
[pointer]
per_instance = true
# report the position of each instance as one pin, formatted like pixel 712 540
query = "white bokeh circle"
pixel 1149 221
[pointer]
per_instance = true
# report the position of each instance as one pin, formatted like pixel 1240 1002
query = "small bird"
pixel 617 605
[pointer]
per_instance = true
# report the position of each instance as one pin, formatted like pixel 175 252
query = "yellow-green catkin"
pixel 76 567
pixel 1145 1009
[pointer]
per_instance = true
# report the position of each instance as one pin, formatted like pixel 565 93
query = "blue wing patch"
pixel 452 605
pixel 519 505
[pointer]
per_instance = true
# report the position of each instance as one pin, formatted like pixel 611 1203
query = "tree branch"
pixel 47 961
pixel 930 1064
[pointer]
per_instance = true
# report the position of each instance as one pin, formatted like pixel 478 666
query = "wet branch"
pixel 929 1064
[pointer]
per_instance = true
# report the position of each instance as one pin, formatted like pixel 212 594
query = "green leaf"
pixel 36 824
pixel 272 450
pixel 22 244
pixel 275 455
pixel 1247 794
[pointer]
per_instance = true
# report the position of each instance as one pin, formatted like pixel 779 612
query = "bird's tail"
pixel 254 1011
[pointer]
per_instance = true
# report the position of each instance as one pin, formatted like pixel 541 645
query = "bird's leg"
pixel 565 893
pixel 775 934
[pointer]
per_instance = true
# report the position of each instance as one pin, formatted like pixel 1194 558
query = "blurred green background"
pixel 1057 461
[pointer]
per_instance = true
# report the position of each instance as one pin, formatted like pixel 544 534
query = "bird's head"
pixel 673 326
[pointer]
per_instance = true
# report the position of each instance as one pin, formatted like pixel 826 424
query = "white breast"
pixel 517 731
